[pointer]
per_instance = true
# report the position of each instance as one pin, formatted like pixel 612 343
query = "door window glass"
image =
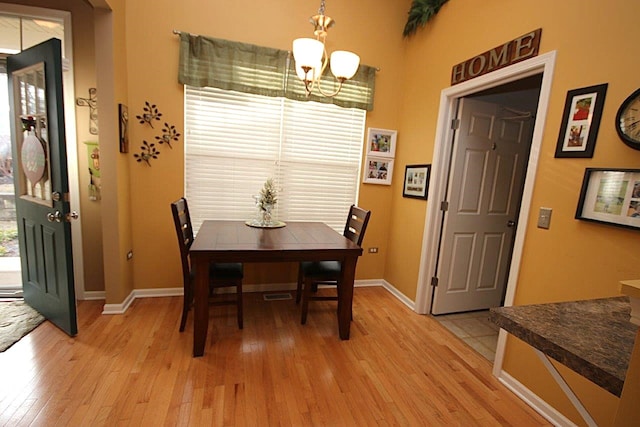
pixel 32 134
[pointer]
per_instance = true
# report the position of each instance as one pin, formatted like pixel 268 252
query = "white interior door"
pixel 488 168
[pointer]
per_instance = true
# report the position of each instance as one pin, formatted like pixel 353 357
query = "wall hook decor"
pixel 95 181
pixel 123 112
pixel 92 103
pixel 148 152
pixel 150 113
pixel 169 133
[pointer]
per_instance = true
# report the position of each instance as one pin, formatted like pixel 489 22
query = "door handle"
pixel 54 216
pixel 511 223
pixel 71 215
pixel 57 216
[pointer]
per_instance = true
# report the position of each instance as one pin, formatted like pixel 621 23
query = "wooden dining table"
pixel 235 241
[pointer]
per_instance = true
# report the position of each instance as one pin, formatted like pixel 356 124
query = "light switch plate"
pixel 544 218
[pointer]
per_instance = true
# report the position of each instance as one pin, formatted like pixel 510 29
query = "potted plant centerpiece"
pixel 267 200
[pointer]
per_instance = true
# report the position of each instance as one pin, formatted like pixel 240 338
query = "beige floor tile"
pixel 475 329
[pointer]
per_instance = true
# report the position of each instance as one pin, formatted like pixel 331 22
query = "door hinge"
pixel 444 206
pixel 434 281
pixel 455 124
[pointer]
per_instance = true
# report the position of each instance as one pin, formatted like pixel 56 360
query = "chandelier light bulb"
pixel 344 64
pixel 307 52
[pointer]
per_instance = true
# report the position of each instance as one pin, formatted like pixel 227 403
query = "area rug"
pixel 17 319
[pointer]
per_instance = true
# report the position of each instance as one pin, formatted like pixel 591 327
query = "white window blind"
pixel 235 141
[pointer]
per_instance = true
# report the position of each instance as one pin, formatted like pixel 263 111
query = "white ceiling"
pixel 34 31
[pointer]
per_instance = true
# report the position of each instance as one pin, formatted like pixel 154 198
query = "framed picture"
pixel 416 181
pixel 123 113
pixel 610 196
pixel 381 142
pixel 580 121
pixel 378 171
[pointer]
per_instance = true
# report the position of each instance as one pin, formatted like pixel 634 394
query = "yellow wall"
pixel 370 28
pixel 118 188
pixel 572 260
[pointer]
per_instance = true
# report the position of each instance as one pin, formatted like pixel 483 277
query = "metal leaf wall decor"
pixel 147 152
pixel 150 113
pixel 169 133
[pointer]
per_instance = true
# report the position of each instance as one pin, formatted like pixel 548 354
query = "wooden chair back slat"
pixel 356 224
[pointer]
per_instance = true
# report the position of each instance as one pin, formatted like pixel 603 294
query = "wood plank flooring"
pixel 398 368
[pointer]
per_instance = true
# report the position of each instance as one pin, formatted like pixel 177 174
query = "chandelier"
pixel 311 57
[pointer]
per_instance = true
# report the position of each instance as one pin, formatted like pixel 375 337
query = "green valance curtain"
pixel 206 61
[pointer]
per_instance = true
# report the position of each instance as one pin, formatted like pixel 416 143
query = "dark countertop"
pixel 592 337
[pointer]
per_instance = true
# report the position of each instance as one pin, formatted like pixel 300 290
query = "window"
pixel 235 141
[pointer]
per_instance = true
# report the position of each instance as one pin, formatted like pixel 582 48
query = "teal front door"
pixel 41 182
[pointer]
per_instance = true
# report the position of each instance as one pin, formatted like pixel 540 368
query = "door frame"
pixel 70 130
pixel 543 64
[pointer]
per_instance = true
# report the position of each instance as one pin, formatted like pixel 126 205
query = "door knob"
pixel 71 215
pixel 57 216
pixel 511 223
pixel 54 216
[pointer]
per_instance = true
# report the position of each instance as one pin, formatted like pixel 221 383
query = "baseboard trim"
pixel 119 308
pixel 534 401
pixel 399 295
pixel 173 292
pixel 157 293
pixel 94 295
pixel 368 283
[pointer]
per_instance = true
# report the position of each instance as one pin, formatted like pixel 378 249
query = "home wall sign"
pixel 516 50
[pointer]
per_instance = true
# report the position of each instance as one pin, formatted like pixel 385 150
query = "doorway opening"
pixel 20 31
pixel 10 270
pixel 497 87
pixel 479 237
pixel 487 169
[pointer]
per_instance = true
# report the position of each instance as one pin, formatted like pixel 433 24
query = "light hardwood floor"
pixel 398 368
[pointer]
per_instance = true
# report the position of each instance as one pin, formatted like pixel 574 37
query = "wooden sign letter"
pixel 524 47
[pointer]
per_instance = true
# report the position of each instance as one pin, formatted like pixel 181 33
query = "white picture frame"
pixel 378 170
pixel 381 142
pixel 610 196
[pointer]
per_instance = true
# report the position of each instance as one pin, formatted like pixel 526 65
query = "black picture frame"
pixel 610 196
pixel 416 181
pixel 581 121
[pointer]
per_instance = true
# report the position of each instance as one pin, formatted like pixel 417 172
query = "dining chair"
pixel 221 275
pixel 314 273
